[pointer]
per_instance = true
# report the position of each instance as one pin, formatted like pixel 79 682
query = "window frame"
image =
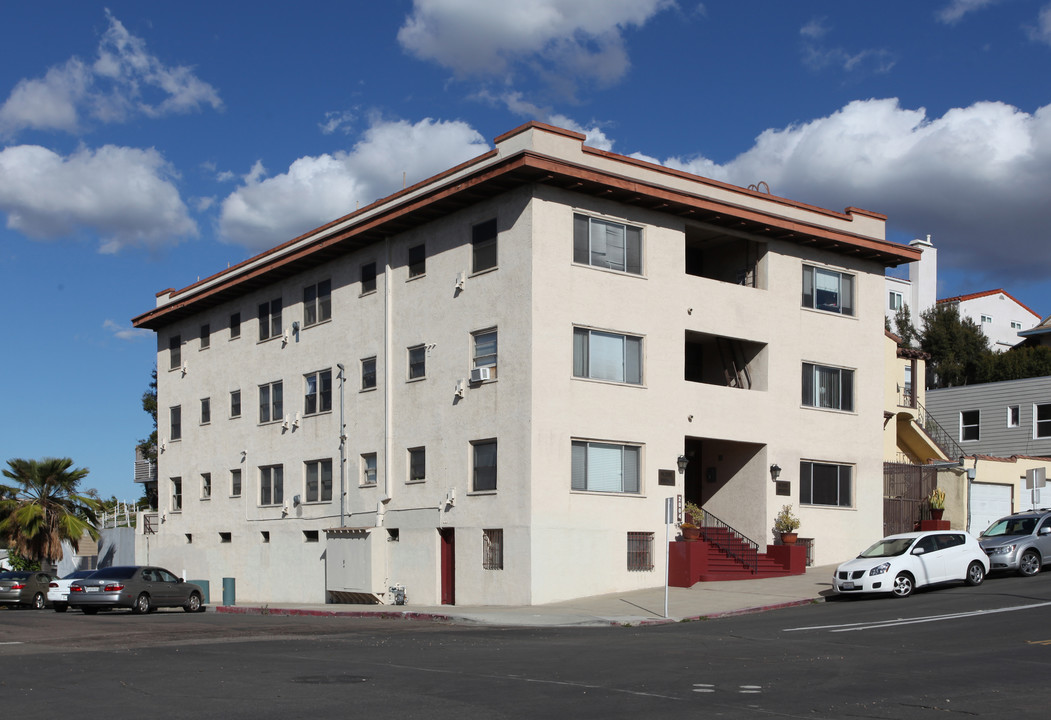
pixel 206 411
pixel 369 474
pixel 368 275
pixel 583 355
pixel 235 325
pixel 417 460
pixel 417 369
pixel 970 425
pixel 806 484
pixel 485 237
pixel 809 289
pixel 175 486
pixel 417 260
pixel 206 486
pixel 586 229
pixel 236 482
pixel 317 303
pixel 1014 416
pixel 322 492
pixel 320 400
pixel 365 374
pixel 175 352
pixel 269 314
pixel 206 336
pixel 175 423
pixel 486 359
pixel 1041 426
pixel 842 395
pixel 481 472
pixel 492 549
pixel 896 300
pixel 640 551
pixel 235 403
pixel 272 480
pixel 582 458
pixel 275 402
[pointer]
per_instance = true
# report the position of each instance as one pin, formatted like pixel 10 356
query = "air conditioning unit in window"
pixel 480 374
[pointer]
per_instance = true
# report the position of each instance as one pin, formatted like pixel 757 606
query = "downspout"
pixel 342 449
pixel 388 381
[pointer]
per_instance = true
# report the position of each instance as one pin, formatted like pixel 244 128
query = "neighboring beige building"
pixel 522 348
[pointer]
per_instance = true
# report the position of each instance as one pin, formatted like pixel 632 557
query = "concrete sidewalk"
pixel 638 607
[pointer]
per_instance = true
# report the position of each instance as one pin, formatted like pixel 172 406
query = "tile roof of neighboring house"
pixel 1041 329
pixel 907 352
pixel 987 293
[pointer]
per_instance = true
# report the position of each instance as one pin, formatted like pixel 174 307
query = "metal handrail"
pixel 749 559
pixel 938 434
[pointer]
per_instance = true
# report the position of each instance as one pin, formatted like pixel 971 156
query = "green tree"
pixel 148 446
pixel 957 347
pixel 904 328
pixel 1016 364
pixel 45 508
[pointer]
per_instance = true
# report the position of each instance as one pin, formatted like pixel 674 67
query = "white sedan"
pixel 899 564
pixel 58 591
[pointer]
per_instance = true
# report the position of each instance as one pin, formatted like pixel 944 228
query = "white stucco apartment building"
pixel 521 350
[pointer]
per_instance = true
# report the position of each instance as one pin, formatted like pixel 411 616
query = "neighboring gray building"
pixel 1003 418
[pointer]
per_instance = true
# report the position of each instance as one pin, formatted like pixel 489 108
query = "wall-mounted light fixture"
pixel 775 472
pixel 682 462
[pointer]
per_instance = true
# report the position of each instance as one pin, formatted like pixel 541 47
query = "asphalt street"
pixel 955 651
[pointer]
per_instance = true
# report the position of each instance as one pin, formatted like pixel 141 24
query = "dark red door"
pixel 448 542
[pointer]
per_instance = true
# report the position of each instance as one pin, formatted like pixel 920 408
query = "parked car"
pixel 24 587
pixel 1019 542
pixel 899 564
pixel 58 589
pixel 141 588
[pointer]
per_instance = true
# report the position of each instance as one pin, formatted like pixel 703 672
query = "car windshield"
pixel 15 575
pixel 888 547
pixel 114 573
pixel 1011 526
pixel 78 574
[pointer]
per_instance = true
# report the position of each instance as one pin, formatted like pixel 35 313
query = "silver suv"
pixel 1020 542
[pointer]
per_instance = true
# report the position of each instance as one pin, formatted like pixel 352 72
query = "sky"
pixel 146 145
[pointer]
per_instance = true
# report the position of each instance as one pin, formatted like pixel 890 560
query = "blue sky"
pixel 144 145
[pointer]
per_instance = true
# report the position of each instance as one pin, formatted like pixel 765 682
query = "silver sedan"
pixel 23 587
pixel 141 588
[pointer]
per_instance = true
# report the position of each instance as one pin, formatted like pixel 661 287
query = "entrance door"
pixel 448 565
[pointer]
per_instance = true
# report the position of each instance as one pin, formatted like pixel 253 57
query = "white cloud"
pixel 124 80
pixel 977 178
pixel 596 136
pixel 956 9
pixel 123 332
pixel 582 38
pixel 1042 31
pixel 818 56
pixel 265 211
pixel 124 195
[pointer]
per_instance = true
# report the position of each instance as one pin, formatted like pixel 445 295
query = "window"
pixel 1042 421
pixel 969 422
pixel 235 482
pixel 605 244
pixel 1015 325
pixel 368 373
pixel 417 464
pixel 1014 416
pixel 225 537
pixel 206 411
pixel 417 362
pixel 235 326
pixel 368 278
pixel 483 246
pixel 417 260
pixel 828 290
pixel 640 551
pixel 987 319
pixel 895 301
pixel 175 422
pixel 271 407
pixel 270 319
pixel 206 486
pixel 176 494
pixel 828 387
pixel 310 536
pixel 607 356
pixel 235 404
pixel 206 337
pixel 317 303
pixel 484 465
pixel 368 469
pixel 271 484
pixel 264 535
pixel 319 481
pixel 493 549
pixel 605 467
pixel 318 397
pixel 485 351
pixel 825 484
pixel 174 352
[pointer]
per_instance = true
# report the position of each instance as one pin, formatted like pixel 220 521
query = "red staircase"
pixel 722 565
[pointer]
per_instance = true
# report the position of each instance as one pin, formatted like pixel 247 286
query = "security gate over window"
pixel 905 491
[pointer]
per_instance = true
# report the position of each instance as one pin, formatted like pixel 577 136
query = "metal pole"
pixel 669 509
pixel 342 448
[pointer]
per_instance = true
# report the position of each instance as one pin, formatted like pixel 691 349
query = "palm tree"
pixel 45 508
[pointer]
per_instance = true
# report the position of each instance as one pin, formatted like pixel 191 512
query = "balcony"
pixel 717 255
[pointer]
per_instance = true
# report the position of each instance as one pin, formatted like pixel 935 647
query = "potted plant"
pixel 787 523
pixel 937 502
pixel 691 524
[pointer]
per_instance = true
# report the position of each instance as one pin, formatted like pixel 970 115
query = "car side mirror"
pixel 181 580
pixel 1046 529
pixel 918 551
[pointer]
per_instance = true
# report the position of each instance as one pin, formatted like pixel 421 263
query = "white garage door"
pixel 989 503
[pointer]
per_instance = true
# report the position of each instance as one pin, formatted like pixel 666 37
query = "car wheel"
pixel 975 574
pixel 39 601
pixel 193 603
pixel 903 585
pixel 1029 564
pixel 60 607
pixel 90 610
pixel 142 604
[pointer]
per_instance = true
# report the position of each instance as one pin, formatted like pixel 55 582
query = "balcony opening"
pixel 717 255
pixel 726 361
